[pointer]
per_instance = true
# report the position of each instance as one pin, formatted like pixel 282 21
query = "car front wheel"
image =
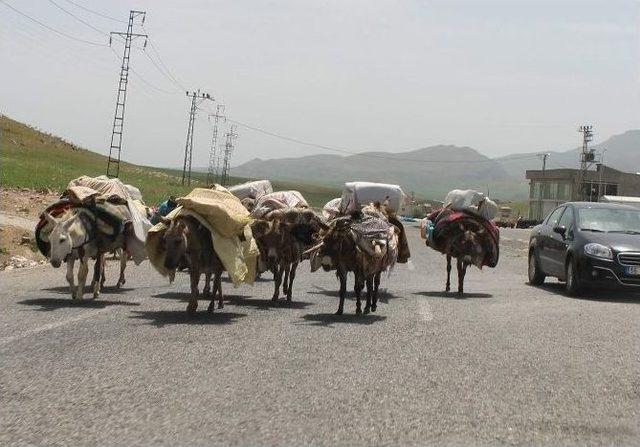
pixel 536 277
pixel 573 284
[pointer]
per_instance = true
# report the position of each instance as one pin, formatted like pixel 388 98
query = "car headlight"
pixel 598 251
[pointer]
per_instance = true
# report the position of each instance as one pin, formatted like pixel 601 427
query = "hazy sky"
pixel 500 76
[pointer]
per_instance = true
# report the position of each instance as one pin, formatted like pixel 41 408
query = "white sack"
pixel 276 201
pixel 331 209
pixel 358 194
pixel 252 190
pixel 470 199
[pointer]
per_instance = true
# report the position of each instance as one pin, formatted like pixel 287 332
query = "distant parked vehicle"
pixel 586 243
pixel 505 218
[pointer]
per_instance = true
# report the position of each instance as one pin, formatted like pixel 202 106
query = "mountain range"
pixel 432 171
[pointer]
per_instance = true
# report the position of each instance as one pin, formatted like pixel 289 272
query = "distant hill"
pixel 429 172
pixel 622 152
pixel 433 171
pixel 30 158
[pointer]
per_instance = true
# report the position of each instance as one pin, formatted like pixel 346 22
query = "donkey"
pixel 467 249
pixel 339 250
pixel 187 238
pixel 280 252
pixel 74 236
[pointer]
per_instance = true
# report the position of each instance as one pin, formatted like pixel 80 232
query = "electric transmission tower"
pixel 587 157
pixel 228 148
pixel 214 156
pixel 113 164
pixel 196 99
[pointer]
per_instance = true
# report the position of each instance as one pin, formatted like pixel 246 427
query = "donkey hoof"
pixel 339 312
pixel 274 298
pixel 210 308
pixel 367 310
pixel 221 306
pixel 358 311
pixel 289 298
pixel 374 308
pixel 191 308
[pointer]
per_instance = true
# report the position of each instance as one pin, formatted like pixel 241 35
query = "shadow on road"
pixel 266 303
pixel 184 296
pixel 160 318
pixel 48 304
pixel 605 295
pixel 109 290
pixel 443 294
pixel 330 319
pixel 383 294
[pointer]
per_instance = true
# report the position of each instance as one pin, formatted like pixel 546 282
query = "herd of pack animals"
pixel 365 240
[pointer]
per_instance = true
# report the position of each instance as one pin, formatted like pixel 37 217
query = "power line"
pixel 44 25
pixel 168 71
pixel 369 155
pixel 78 18
pixel 104 16
pixel 155 64
pixel 143 80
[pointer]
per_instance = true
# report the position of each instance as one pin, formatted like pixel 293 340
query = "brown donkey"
pixel 186 238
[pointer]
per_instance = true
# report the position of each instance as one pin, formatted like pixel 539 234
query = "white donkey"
pixel 75 236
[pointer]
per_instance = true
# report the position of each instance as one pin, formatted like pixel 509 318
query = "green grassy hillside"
pixel 30 158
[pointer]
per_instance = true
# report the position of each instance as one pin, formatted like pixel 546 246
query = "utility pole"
pixel 542 185
pixel 197 98
pixel 600 185
pixel 228 148
pixel 586 158
pixel 113 164
pixel 214 156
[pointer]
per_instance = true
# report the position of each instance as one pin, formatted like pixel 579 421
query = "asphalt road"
pixel 507 364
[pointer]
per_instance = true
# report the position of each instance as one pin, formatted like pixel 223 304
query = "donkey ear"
pixel 52 220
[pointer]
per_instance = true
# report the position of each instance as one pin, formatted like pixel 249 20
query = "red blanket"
pixel 450 222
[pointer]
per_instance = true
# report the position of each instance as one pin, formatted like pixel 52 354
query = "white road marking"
pixel 50 326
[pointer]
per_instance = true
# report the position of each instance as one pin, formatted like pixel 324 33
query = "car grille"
pixel 629 258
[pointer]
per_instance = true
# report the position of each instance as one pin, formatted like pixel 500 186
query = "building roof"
pixel 621 199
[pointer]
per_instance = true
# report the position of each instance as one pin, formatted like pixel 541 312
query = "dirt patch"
pixel 24 202
pixel 18 248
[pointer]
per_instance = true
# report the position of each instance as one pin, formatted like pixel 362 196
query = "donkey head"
pixel 471 250
pixel 174 242
pixel 270 237
pixel 337 243
pixel 62 236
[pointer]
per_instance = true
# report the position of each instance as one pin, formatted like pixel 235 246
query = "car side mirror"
pixel 561 230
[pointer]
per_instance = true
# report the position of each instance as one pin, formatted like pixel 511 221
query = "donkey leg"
pixel 193 300
pixel 98 271
pixel 292 277
pixel 462 271
pixel 70 278
pixel 102 271
pixel 277 280
pixel 342 276
pixel 206 290
pixel 448 286
pixel 83 271
pixel 285 281
pixel 217 286
pixel 123 265
pixel 367 307
pixel 358 289
pixel 376 286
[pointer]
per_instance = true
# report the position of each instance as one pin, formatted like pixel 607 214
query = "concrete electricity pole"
pixel 586 158
pixel 228 148
pixel 214 156
pixel 196 99
pixel 542 185
pixel 113 164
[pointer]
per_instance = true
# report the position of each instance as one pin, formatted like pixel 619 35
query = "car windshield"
pixel 609 220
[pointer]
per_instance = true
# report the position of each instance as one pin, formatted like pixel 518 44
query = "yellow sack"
pixel 222 210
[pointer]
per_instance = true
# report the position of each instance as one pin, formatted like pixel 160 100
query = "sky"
pixel 503 77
